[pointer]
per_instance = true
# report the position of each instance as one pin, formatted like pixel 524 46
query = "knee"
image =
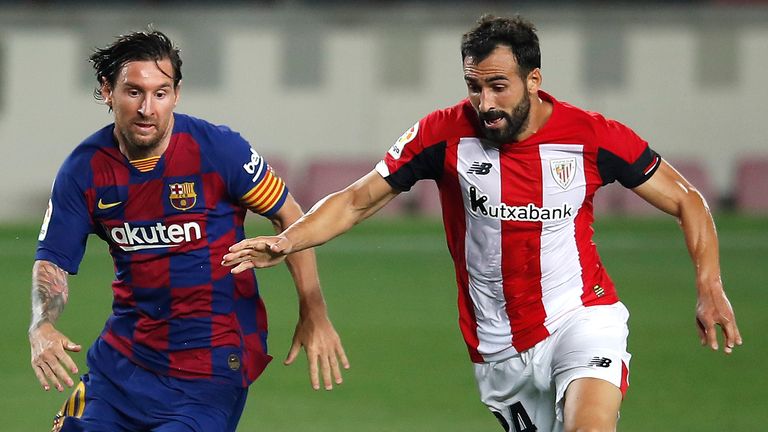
pixel 591 423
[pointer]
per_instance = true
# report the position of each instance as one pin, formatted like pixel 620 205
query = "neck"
pixel 538 116
pixel 135 152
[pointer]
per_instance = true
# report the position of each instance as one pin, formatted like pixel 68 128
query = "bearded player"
pixel 517 171
pixel 168 193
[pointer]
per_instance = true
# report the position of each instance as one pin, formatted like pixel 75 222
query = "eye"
pixel 473 88
pixel 160 95
pixel 499 88
pixel 133 92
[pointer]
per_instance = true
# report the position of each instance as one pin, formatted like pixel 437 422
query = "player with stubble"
pixel 168 193
pixel 517 171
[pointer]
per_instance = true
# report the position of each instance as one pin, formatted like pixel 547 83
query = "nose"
pixel 145 108
pixel 487 101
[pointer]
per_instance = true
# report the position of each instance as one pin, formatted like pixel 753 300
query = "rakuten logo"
pixel 528 212
pixel 156 236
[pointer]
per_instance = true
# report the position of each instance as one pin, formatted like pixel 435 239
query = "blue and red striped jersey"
pixel 176 309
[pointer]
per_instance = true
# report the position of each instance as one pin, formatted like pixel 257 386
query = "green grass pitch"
pixel 391 294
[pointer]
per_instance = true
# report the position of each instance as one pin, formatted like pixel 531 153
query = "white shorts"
pixel 527 389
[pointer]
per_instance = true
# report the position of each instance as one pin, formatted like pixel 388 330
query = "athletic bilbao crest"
pixel 563 170
pixel 183 196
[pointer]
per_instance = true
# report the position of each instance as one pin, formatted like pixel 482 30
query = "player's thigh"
pixel 199 407
pixel 591 352
pixel 591 404
pixel 89 408
pixel 510 391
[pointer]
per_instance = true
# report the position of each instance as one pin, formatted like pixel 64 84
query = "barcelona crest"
pixel 563 171
pixel 183 196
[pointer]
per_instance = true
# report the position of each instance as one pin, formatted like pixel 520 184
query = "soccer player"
pixel 516 171
pixel 168 193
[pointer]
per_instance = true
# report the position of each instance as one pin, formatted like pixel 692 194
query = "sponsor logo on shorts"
pixel 602 362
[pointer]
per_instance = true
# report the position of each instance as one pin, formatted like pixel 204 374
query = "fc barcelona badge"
pixel 183 196
pixel 563 171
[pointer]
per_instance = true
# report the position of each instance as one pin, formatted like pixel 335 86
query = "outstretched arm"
pixel 330 217
pixel 49 347
pixel 314 330
pixel 670 192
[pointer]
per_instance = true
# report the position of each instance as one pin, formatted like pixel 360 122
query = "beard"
pixel 139 145
pixel 515 122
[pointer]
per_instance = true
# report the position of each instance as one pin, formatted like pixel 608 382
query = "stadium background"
pixel 312 82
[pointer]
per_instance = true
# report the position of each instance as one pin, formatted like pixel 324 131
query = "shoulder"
pixel 441 126
pixel 453 121
pixel 203 131
pixel 81 159
pixel 595 125
pixel 216 141
pixel 221 148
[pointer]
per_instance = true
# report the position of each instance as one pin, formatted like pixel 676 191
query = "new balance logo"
pixel 600 362
pixel 480 168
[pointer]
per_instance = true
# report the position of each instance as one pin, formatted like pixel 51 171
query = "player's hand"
pixel 257 252
pixel 50 360
pixel 325 354
pixel 713 309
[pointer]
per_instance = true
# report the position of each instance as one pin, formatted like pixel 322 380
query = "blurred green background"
pixel 391 294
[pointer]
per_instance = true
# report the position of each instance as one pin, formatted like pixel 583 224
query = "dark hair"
pixel 517 33
pixel 141 45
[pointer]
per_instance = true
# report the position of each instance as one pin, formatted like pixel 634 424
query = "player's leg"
pixel 510 391
pixel 85 410
pixel 193 406
pixel 590 365
pixel 591 404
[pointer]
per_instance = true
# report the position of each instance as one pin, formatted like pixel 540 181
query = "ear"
pixel 533 81
pixel 106 91
pixel 177 94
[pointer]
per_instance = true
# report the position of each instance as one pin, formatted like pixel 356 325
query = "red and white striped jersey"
pixel 518 219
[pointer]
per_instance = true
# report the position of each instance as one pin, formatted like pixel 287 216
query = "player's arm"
pixel 670 192
pixel 330 217
pixel 49 347
pixel 314 330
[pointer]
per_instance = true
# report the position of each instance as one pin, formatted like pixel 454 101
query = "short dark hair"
pixel 136 46
pixel 517 33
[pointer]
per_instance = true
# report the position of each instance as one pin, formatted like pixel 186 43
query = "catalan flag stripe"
pixel 268 204
pixel 145 165
pixel 263 201
pixel 266 194
pixel 257 190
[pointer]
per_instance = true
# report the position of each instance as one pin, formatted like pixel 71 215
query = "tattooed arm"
pixel 48 345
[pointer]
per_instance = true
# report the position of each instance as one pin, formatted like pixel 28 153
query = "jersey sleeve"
pixel 622 155
pixel 415 156
pixel 66 225
pixel 249 177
